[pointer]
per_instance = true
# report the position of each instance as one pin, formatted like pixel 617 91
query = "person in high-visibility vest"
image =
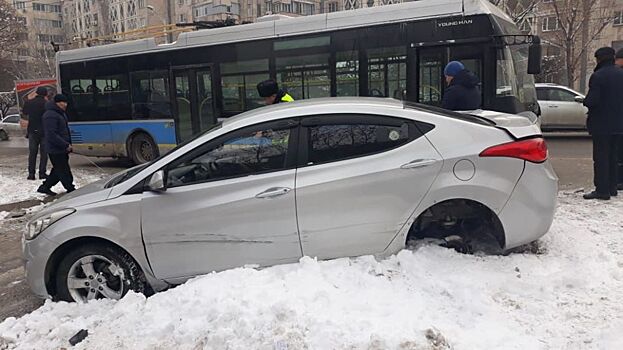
pixel 269 90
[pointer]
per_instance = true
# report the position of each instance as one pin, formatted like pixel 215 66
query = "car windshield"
pixel 127 174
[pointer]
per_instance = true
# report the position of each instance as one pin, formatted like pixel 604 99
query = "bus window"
pixel 82 107
pixel 150 95
pixel 347 73
pixel 304 76
pixel 184 113
pixel 514 88
pixel 430 71
pixel 206 100
pixel 387 72
pixel 239 81
pixel 112 96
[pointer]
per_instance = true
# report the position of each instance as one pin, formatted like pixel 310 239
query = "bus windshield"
pixel 513 80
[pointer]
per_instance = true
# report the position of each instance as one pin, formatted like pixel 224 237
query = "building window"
pixel 183 18
pixel 618 18
pixel 141 4
pixel 549 23
pixel 332 7
pixel 19 5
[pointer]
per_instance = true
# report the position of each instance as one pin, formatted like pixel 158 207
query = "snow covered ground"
pixel 565 295
pixel 15 188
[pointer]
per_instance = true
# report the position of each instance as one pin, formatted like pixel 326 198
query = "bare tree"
pixel 580 22
pixel 7 100
pixel 9 29
pixel 518 10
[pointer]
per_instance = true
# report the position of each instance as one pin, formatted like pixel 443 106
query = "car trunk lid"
pixel 518 126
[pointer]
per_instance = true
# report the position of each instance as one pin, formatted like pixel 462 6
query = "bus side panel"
pixel 161 131
pixel 92 139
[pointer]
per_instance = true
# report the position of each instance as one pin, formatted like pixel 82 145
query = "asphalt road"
pixel 570 155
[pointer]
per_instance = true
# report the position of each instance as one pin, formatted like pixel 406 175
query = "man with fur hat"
pixel 605 122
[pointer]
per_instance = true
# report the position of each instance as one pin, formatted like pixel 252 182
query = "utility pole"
pixel 170 20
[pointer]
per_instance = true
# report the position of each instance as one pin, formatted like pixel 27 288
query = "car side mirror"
pixel 534 56
pixel 579 99
pixel 156 182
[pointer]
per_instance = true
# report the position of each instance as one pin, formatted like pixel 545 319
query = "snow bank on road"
pixel 566 297
pixel 15 188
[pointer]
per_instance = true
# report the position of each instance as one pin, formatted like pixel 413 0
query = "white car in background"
pixel 561 108
pixel 9 126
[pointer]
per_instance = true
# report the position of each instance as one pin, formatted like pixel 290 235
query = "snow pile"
pixel 15 188
pixel 566 295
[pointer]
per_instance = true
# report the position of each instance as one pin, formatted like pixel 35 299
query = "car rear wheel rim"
pixel 95 277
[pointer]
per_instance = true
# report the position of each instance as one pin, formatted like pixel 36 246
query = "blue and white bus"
pixel 139 99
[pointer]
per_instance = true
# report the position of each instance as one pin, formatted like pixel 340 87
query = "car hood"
pixel 91 193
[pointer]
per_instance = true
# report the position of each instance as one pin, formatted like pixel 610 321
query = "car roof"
pixel 315 102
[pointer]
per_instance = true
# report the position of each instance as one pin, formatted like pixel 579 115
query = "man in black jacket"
pixel 619 62
pixel 462 93
pixel 34 109
pixel 605 122
pixel 58 145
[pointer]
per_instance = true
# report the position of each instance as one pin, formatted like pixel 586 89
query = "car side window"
pixel 248 151
pixel 343 140
pixel 542 94
pixel 562 95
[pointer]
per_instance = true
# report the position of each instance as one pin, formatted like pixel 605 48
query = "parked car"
pixel 9 126
pixel 326 178
pixel 561 108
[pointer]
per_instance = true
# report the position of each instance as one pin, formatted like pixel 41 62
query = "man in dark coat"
pixel 462 93
pixel 270 92
pixel 34 109
pixel 619 62
pixel 58 145
pixel 605 122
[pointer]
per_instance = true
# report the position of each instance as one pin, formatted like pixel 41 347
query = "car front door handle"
pixel 418 163
pixel 273 192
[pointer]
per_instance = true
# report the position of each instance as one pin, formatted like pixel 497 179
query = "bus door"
pixel 431 62
pixel 194 101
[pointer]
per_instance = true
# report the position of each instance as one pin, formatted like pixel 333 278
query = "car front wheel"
pixel 97 272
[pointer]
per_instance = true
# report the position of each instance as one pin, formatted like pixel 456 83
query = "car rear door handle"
pixel 273 192
pixel 418 163
pixel 552 106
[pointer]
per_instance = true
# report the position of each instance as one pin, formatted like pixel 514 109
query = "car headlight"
pixel 37 226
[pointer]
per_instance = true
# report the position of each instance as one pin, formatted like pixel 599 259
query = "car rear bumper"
pixel 529 212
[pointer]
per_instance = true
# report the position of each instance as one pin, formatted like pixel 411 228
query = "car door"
pixel 571 113
pixel 361 178
pixel 228 203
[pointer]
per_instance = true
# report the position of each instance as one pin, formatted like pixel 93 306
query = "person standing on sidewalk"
pixel 34 109
pixel 58 145
pixel 605 122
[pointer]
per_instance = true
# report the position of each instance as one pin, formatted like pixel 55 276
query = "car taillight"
pixel 533 150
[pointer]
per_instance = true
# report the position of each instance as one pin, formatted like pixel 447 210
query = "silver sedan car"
pixel 561 108
pixel 326 178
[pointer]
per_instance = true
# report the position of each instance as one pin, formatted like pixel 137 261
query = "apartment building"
pixel 43 24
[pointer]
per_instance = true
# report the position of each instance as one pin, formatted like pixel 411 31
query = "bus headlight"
pixel 35 227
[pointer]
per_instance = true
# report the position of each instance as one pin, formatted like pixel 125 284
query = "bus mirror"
pixel 534 56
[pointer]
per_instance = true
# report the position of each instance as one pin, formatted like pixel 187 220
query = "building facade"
pixel 43 24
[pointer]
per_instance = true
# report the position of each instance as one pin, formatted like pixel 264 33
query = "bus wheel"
pixel 142 149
